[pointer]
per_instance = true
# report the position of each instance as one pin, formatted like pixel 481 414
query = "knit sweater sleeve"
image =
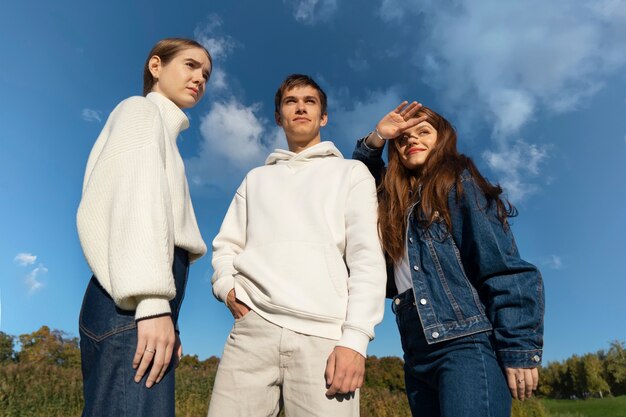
pixel 228 243
pixel 125 220
pixel 366 263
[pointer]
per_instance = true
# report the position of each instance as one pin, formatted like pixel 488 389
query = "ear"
pixel 155 65
pixel 278 119
pixel 324 120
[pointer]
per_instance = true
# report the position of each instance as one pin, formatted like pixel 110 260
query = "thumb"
pixel 330 369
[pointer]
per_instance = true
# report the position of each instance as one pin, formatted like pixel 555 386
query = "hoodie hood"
pixel 320 150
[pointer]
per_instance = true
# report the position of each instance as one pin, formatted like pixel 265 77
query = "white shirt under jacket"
pixel 135 206
pixel 299 245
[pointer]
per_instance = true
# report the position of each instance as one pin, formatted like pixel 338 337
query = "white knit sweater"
pixel 299 245
pixel 135 206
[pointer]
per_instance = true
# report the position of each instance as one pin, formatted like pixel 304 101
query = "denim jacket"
pixel 471 279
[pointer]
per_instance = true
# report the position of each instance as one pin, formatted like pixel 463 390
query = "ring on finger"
pixel 150 350
pixel 519 381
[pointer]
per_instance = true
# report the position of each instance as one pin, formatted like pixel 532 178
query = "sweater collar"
pixel 174 118
pixel 320 150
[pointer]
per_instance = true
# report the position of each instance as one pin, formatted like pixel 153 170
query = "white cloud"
pixel 219 46
pixel 350 118
pixel 31 280
pixel 357 61
pixel 553 262
pixel 25 259
pixel 509 60
pixel 218 80
pixel 516 165
pixel 396 10
pixel 507 63
pixel 312 11
pixel 90 115
pixel 235 139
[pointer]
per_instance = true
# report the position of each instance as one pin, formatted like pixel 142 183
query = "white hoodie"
pixel 299 245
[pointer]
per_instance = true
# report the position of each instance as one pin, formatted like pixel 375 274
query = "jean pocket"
pixel 100 317
pixel 243 318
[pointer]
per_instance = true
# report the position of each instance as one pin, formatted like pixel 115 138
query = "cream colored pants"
pixel 265 366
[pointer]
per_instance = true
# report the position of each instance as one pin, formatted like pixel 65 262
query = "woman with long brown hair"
pixel 468 308
pixel 138 231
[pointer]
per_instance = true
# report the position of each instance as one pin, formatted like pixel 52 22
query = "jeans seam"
pixel 486 379
pixel 113 332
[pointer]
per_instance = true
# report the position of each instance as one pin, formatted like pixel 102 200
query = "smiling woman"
pixel 138 232
pixel 468 308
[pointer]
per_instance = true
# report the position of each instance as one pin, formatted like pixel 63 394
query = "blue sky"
pixel 536 90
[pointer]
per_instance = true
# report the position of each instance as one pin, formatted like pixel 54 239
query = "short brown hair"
pixel 299 80
pixel 166 49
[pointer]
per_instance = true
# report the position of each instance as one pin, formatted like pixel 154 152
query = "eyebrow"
pixel 199 64
pixel 305 98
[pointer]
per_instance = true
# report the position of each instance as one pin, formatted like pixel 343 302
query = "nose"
pixel 198 77
pixel 300 107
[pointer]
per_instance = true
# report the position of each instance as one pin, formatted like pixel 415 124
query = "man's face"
pixel 301 116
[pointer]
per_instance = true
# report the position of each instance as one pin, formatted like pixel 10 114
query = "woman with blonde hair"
pixel 468 308
pixel 138 231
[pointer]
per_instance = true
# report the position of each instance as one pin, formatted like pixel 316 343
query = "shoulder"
pixel 137 103
pixel 470 194
pixel 358 172
pixel 135 108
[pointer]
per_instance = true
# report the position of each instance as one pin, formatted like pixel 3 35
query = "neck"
pixel 298 145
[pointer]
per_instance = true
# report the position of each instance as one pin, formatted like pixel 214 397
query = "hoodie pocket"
pixel 305 277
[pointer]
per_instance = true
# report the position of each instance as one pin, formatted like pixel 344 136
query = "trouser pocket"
pixel 100 317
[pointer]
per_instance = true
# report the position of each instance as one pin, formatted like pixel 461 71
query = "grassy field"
pixel 593 407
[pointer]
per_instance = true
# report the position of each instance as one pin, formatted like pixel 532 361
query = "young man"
pixel 299 264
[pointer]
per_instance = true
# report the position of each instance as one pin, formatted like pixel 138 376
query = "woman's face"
pixel 183 79
pixel 415 145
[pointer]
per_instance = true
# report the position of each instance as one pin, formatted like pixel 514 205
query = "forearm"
pixel 228 243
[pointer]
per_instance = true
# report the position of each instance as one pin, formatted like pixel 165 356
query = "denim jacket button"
pixel 397 301
pixel 416 268
pixel 435 335
pixel 536 358
pixel 411 240
pixel 423 301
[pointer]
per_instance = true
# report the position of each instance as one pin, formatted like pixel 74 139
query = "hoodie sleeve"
pixel 366 263
pixel 229 243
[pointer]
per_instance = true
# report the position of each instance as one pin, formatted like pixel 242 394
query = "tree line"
pixel 43 378
pixel 592 375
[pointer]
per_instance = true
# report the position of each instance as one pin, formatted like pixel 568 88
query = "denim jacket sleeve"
pixel 372 158
pixel 511 288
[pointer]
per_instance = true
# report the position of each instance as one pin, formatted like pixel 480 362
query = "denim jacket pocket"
pixel 438 229
pixel 100 317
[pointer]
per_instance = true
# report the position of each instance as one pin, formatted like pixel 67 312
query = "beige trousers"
pixel 265 367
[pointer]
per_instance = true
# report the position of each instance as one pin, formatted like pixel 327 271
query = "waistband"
pixel 401 301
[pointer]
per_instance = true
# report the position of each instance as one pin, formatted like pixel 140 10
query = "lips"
pixel 301 119
pixel 415 150
pixel 193 90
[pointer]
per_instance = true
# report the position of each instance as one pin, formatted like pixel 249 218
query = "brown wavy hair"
pixel 429 185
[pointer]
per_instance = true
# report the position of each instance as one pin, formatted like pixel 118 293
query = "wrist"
pixel 375 140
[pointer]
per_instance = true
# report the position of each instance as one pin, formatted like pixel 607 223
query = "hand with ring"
pixel 522 381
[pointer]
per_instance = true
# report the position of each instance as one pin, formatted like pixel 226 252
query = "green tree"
pixel 7 354
pixel 615 367
pixel 49 347
pixel 593 378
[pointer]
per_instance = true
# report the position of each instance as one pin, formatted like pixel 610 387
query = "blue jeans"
pixel 454 378
pixel 108 340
